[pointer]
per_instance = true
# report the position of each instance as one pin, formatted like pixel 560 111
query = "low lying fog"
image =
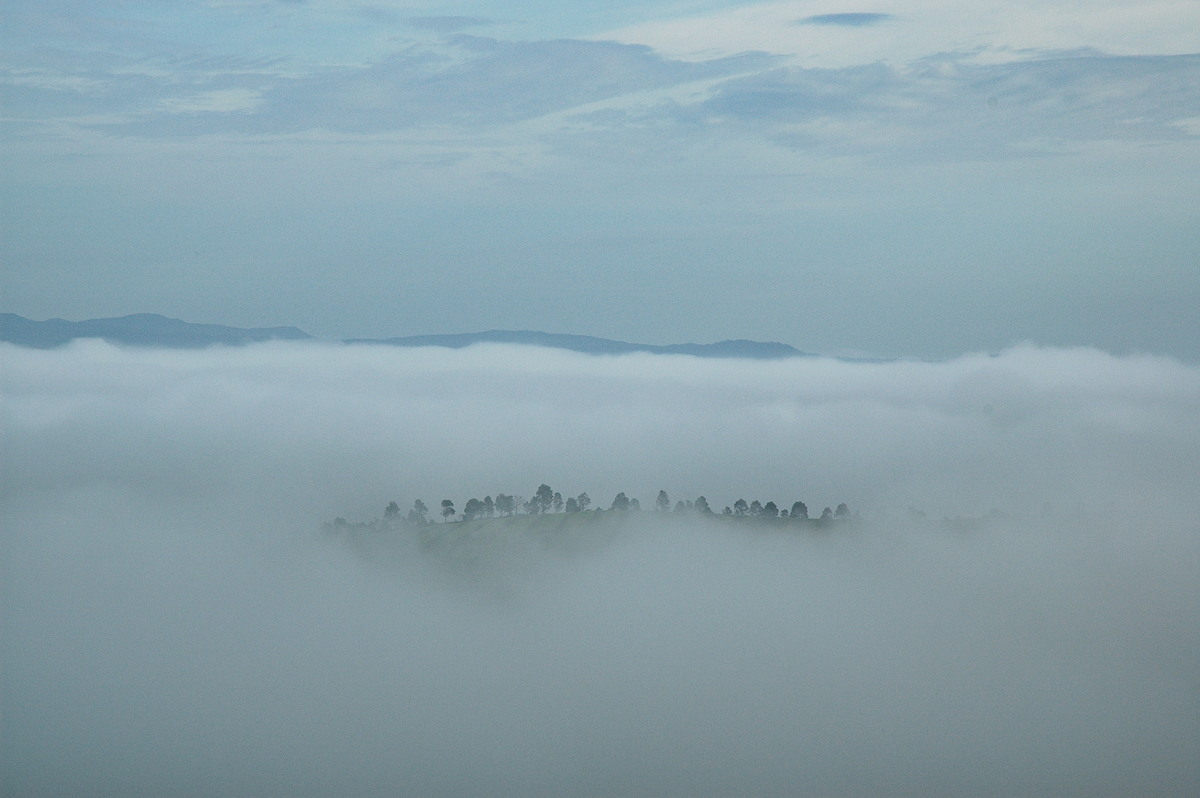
pixel 176 623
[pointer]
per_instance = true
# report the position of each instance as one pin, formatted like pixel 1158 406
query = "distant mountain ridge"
pixel 151 329
pixel 139 329
pixel 593 346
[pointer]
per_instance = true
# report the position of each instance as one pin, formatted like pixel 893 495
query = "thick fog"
pixel 176 622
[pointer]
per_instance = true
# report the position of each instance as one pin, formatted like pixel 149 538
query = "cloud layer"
pixel 951 177
pixel 175 624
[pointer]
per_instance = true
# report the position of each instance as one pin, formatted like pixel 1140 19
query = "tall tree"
pixel 663 502
pixel 447 509
pixel 740 507
pixel 621 502
pixel 799 510
pixel 842 511
pixel 572 505
pixel 702 506
pixel 542 499
pixel 770 510
pixel 583 501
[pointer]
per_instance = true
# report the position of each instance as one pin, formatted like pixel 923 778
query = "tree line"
pixel 546 500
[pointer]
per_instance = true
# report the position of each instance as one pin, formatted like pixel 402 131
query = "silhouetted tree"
pixel 391 512
pixel 542 500
pixel 572 505
pixel 740 507
pixel 447 509
pixel 770 510
pixel 472 509
pixel 680 507
pixel 799 510
pixel 621 502
pixel 826 515
pixel 583 501
pixel 727 510
pixel 634 504
pixel 663 502
pixel 505 505
pixel 842 512
pixel 489 506
pixel 702 506
pixel 416 515
pixel 558 502
pixel 755 507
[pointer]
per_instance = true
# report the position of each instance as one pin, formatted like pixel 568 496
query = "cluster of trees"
pixel 547 500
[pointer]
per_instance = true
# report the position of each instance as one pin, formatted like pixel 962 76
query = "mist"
pixel 175 622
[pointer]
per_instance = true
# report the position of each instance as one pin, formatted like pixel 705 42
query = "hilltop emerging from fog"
pixel 548 502
pixel 149 329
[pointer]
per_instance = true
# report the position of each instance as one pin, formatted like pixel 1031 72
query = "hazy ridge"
pixel 151 329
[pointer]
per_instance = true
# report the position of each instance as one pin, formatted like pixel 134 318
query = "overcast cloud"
pixel 176 624
pixel 916 179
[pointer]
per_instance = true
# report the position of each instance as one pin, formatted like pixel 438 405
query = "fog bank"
pixel 175 623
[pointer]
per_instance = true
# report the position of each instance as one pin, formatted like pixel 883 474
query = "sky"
pixel 919 179
pixel 176 623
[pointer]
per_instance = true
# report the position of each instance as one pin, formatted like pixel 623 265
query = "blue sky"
pixel 920 179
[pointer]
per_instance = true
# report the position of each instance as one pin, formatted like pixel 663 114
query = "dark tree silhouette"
pixel 702 506
pixel 800 510
pixel 447 509
pixel 621 502
pixel 663 502
pixel 489 507
pixel 740 507
pixel 756 507
pixel 583 501
pixel 557 501
pixel 472 509
pixel 842 511
pixel 770 510
pixel 572 505
pixel 542 500
pixel 416 515
pixel 391 512
pixel 826 515
pixel 505 505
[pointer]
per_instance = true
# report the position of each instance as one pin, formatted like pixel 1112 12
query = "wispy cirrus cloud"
pixel 858 19
pixel 481 82
pixel 946 105
pixel 447 24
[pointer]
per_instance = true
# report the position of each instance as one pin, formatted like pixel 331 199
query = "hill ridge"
pixel 153 329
